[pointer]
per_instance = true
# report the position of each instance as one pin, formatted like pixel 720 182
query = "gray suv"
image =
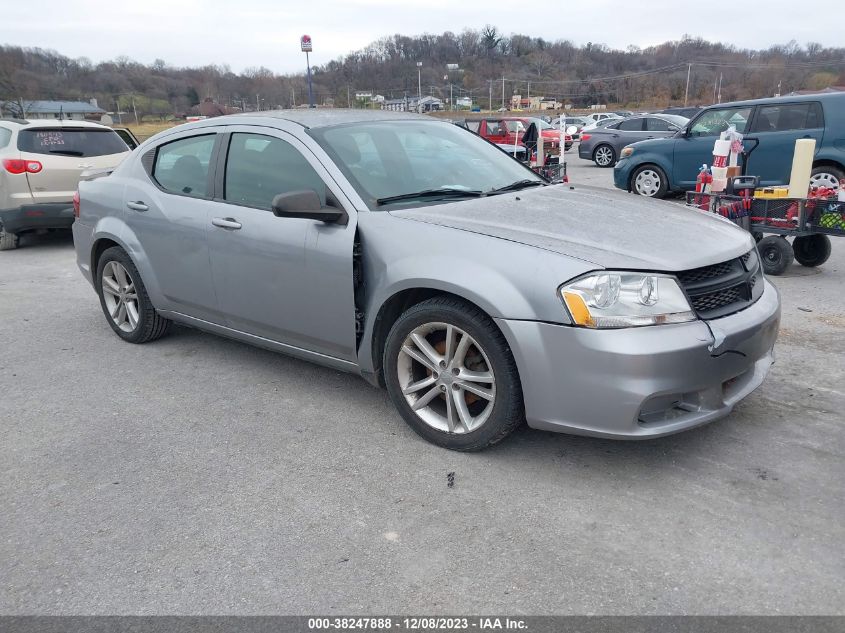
pixel 419 256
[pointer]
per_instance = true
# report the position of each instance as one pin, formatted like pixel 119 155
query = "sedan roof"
pixel 319 117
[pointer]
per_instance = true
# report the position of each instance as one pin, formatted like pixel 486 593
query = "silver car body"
pixel 287 284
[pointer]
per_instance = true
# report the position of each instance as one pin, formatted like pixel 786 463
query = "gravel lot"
pixel 198 475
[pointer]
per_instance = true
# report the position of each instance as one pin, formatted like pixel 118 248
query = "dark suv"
pixel 655 167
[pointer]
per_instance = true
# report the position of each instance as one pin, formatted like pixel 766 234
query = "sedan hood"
pixel 607 228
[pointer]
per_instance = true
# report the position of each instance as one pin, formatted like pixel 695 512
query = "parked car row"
pixel 42 162
pixel 658 166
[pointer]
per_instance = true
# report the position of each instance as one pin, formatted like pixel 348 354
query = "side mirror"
pixel 306 204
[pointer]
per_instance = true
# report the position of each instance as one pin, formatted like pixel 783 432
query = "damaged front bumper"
pixel 639 383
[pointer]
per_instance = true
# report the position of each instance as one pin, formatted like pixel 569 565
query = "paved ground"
pixel 197 475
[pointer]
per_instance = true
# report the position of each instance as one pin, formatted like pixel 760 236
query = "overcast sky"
pixel 244 33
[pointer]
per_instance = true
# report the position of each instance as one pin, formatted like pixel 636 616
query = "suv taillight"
pixel 76 204
pixel 19 166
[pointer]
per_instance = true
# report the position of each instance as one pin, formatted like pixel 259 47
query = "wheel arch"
pixel 107 235
pixel 394 306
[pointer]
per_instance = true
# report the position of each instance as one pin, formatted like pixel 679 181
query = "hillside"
pixel 581 75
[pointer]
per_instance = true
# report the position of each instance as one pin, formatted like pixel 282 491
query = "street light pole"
pixel 419 82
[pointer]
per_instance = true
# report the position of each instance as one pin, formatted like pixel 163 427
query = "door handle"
pixel 137 206
pixel 226 223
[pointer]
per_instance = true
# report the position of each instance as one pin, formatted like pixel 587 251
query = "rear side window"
pixel 80 142
pixel 5 136
pixel 258 168
pixel 473 126
pixel 182 166
pixel 789 116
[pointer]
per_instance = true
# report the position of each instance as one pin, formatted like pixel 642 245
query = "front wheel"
pixel 451 375
pixel 124 299
pixel 811 250
pixel 649 181
pixel 775 253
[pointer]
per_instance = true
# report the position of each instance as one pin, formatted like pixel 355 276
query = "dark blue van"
pixel 656 167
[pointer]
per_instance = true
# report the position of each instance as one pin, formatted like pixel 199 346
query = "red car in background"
pixel 508 130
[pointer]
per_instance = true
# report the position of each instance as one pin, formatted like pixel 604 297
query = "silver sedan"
pixel 421 257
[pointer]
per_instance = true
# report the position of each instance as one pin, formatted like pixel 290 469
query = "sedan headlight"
pixel 626 151
pixel 613 299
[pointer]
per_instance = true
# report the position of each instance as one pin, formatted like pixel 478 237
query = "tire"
pixel 776 254
pixel 147 325
pixel 826 176
pixel 649 181
pixel 451 416
pixel 8 241
pixel 811 250
pixel 604 156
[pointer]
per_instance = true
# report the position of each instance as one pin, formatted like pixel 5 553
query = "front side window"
pixel 788 116
pixel 67 141
pixel 259 167
pixel 714 122
pixel 182 166
pixel 396 158
pixel 631 125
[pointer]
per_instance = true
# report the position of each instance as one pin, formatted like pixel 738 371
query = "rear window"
pixel 81 142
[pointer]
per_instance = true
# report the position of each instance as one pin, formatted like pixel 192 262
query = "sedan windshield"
pixel 413 162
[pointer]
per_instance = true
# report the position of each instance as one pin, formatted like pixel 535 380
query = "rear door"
pixel 64 153
pixel 169 212
pixel 777 127
pixel 696 148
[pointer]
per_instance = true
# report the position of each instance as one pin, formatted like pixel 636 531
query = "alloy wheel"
pixel 446 378
pixel 647 183
pixel 604 156
pixel 120 296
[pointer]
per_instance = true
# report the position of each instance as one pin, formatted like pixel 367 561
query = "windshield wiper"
pixel 516 186
pixel 67 152
pixel 445 192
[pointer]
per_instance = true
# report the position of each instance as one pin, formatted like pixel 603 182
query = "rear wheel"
pixel 451 375
pixel 8 241
pixel 124 299
pixel 776 254
pixel 649 181
pixel 604 156
pixel 826 176
pixel 811 250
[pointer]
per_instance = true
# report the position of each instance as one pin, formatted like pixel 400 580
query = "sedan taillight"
pixel 19 166
pixel 76 204
pixel 585 137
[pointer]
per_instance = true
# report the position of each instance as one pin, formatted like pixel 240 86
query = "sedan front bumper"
pixel 639 383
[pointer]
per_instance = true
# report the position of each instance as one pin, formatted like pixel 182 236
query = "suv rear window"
pixel 81 142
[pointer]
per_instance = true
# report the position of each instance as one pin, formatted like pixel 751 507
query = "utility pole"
pixel 257 103
pixel 490 83
pixel 503 91
pixel 719 98
pixel 135 110
pixel 686 92
pixel 529 95
pixel 419 82
pixel 348 102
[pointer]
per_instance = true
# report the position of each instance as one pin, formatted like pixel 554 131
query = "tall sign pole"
pixel 306 46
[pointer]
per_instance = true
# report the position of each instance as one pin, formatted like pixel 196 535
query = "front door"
pixel 777 127
pixel 696 148
pixel 284 279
